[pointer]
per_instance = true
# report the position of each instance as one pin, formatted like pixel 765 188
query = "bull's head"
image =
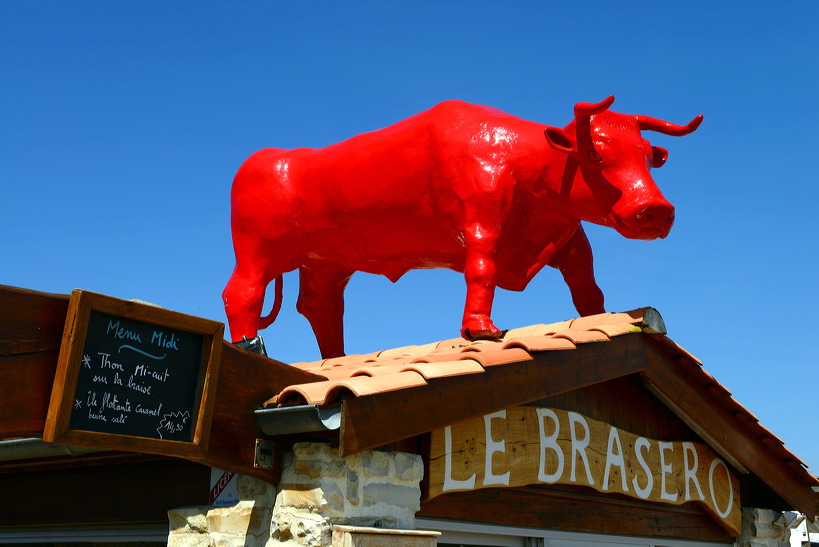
pixel 607 177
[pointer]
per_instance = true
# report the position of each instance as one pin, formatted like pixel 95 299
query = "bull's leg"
pixel 479 273
pixel 576 263
pixel 244 297
pixel 321 301
pixel 258 262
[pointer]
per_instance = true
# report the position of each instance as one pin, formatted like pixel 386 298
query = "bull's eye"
pixel 594 156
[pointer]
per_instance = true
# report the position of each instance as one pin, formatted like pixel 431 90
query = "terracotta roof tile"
pixel 439 355
pixel 379 369
pixel 539 330
pixel 582 336
pixel 330 391
pixel 539 343
pixel 443 369
pixel 397 352
pixel 498 356
pixel 424 349
pixel 452 343
pixel 409 366
pixel 591 321
pixel 616 330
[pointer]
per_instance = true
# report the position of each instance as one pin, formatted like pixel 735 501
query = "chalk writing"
pixel 137 379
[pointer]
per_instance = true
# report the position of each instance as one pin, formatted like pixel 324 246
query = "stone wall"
pixel 763 528
pixel 318 489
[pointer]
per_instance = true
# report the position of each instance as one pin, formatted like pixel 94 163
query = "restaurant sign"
pixel 530 445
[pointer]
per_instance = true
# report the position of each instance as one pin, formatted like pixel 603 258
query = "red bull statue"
pixel 460 186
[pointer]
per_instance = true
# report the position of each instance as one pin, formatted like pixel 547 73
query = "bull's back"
pixel 392 194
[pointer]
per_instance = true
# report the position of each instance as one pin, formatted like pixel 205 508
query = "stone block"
pixel 299 497
pixel 187 540
pixel 352 495
pixel 231 520
pixel 251 488
pixel 404 497
pixel 300 529
pixel 408 467
pixel 313 469
pixel 188 519
pixel 373 464
pixel 761 528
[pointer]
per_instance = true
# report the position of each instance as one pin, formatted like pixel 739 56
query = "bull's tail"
pixel 266 321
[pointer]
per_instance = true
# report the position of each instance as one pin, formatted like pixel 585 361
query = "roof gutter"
pixel 290 420
pixel 29 449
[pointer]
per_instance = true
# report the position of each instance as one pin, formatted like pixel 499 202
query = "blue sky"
pixel 123 123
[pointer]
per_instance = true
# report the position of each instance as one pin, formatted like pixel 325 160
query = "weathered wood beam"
pixel 245 381
pixel 30 321
pixel 556 508
pixel 375 420
pixel 675 384
pixel 31 328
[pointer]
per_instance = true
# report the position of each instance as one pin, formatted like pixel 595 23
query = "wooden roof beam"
pixel 379 419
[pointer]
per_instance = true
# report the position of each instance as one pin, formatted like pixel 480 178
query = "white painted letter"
pixel 579 445
pixel 643 493
pixel 547 443
pixel 450 483
pixel 714 464
pixel 493 446
pixel 615 459
pixel 691 470
pixel 665 469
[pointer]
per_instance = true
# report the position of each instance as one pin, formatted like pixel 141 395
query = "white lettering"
pixel 643 493
pixel 493 446
pixel 547 442
pixel 107 363
pixel 579 445
pixel 691 471
pixel 450 483
pixel 615 459
pixel 664 470
pixel 714 464
pixel 138 387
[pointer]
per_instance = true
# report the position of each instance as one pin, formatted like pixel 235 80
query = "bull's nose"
pixel 655 220
pixel 657 215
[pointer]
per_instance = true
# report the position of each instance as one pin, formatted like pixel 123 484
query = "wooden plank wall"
pixel 31 328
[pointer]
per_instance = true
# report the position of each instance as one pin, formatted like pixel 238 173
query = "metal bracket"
pixel 265 454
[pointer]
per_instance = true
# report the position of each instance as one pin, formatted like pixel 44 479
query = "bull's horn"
pixel 587 110
pixel 647 123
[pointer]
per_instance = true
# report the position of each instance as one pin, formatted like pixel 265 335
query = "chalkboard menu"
pixel 135 377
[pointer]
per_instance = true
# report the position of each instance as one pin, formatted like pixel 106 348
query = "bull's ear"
pixel 559 140
pixel 659 156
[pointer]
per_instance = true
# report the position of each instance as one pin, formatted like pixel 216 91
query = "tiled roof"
pixel 411 366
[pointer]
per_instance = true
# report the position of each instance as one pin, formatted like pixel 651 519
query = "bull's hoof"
pixel 479 330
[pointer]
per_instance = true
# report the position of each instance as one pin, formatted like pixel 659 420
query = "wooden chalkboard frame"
pixel 81 304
